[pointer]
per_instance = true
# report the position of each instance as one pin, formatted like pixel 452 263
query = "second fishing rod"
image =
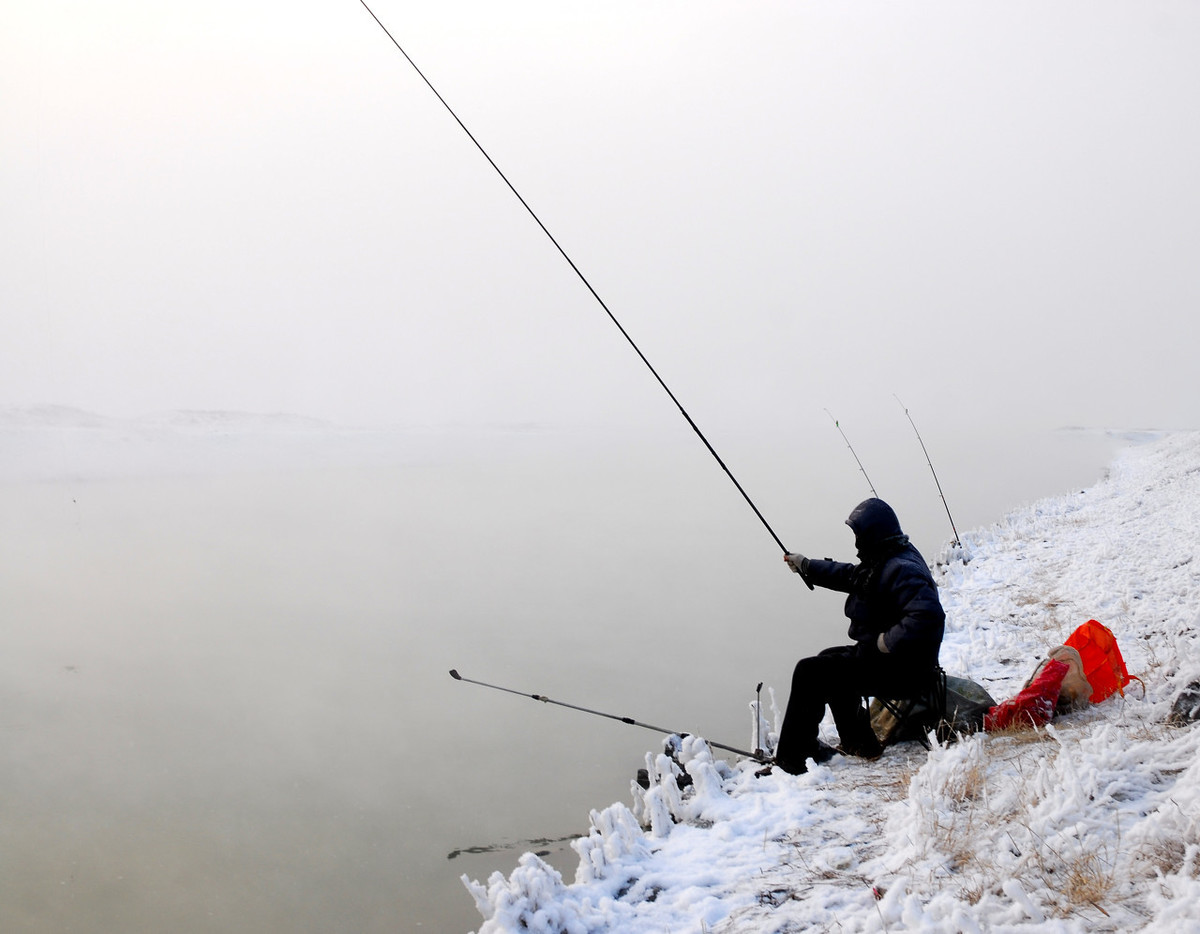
pixel 582 278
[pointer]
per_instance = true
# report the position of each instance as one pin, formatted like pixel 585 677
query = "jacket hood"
pixel 874 523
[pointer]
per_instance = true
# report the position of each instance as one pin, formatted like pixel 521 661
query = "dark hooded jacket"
pixel 891 591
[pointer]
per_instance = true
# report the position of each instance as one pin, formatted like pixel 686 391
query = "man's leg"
pixel 855 733
pixel 815 681
pixel 874 675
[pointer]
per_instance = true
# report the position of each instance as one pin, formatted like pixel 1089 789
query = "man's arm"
pixel 832 575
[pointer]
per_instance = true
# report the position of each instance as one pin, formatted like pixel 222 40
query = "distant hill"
pixel 218 421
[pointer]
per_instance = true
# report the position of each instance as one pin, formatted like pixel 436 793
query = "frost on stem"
pixel 684 784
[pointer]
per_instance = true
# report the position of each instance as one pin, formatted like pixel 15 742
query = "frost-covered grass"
pixel 1091 824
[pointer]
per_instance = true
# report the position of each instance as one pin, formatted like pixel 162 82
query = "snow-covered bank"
pixel 1090 824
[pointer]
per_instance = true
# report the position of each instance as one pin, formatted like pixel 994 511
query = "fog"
pixel 227 637
pixel 788 206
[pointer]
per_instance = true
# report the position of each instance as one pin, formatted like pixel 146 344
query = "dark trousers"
pixel 840 677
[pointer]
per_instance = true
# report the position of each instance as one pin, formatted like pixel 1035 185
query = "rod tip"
pixel 455 675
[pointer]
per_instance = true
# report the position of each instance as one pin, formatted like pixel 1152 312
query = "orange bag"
pixel 1102 662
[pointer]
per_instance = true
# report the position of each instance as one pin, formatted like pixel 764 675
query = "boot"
pixel 856 733
pixel 821 754
pixel 864 746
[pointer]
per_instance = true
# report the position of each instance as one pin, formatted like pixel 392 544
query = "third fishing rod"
pixel 937 482
pixel 581 276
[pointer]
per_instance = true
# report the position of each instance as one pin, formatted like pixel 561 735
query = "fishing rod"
pixel 931 470
pixel 757 756
pixel 582 277
pixel 856 460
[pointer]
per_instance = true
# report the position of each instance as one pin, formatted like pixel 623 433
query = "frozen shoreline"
pixel 1088 825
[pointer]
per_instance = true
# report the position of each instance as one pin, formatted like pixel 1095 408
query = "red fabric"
pixel 1034 706
pixel 1103 665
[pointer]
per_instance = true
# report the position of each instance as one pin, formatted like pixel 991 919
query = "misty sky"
pixel 991 210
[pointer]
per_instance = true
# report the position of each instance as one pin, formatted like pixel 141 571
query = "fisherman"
pixel 896 622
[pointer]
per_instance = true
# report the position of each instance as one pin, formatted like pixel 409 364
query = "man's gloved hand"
pixel 798 563
pixel 875 645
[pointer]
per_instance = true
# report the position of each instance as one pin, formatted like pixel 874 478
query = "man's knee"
pixel 822 672
pixel 807 670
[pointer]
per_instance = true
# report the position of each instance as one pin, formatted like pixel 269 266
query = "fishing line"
pixel 932 471
pixel 579 273
pixel 838 426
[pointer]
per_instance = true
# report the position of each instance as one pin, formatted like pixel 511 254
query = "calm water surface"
pixel 224 694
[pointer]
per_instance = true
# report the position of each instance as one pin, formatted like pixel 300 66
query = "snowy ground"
pixel 1092 824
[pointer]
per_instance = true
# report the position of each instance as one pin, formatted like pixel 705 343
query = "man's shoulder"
pixel 906 561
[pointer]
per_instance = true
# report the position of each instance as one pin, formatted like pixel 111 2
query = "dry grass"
pixel 1165 855
pixel 893 784
pixel 1050 601
pixel 1020 735
pixel 1168 854
pixel 973 891
pixel 952 824
pixel 1149 731
pixel 1089 880
pixel 967 782
pixel 1074 876
pixel 953 836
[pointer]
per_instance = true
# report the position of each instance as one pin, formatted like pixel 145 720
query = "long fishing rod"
pixel 932 471
pixel 838 426
pixel 582 277
pixel 757 756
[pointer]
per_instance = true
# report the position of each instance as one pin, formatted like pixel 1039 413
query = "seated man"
pixel 896 622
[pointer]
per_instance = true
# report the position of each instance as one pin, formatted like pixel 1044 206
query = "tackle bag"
pixel 1103 665
pixel 966 705
pixel 1076 690
pixel 1034 705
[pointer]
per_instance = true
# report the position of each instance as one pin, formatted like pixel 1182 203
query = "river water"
pixel 224 691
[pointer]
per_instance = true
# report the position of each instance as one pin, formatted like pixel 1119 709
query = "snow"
pixel 1089 824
